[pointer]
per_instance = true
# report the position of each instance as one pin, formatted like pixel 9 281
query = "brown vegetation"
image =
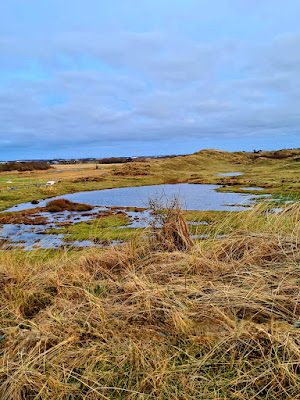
pixel 32 217
pixel 169 231
pixel 26 217
pixel 277 154
pixel 218 321
pixel 157 319
pixel 24 166
pixel 132 169
pixel 66 205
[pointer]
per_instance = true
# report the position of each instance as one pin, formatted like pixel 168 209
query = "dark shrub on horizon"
pixel 112 160
pixel 24 166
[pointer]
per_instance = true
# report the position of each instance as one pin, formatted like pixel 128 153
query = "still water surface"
pixel 192 197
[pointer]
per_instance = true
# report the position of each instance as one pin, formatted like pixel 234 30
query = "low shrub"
pixel 66 205
pixel 24 166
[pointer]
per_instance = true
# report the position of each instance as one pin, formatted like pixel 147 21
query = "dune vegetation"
pixel 198 305
pixel 162 317
pixel 277 172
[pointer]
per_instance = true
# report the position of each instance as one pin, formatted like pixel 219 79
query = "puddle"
pixel 30 237
pixel 277 210
pixel 231 174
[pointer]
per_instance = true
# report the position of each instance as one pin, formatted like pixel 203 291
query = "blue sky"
pixel 118 78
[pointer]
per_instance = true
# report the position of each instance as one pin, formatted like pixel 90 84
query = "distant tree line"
pixel 114 160
pixel 24 166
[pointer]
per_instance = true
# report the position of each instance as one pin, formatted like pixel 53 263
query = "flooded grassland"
pixel 209 180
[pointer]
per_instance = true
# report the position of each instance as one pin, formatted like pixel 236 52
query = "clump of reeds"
pixel 168 228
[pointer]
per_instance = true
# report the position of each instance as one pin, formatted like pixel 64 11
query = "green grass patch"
pixel 108 228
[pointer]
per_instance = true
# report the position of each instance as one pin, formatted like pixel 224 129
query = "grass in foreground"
pixel 133 322
pixel 261 218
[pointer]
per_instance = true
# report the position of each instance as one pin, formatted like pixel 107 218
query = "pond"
pixel 191 196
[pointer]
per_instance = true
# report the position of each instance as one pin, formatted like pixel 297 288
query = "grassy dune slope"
pixel 277 175
pixel 218 321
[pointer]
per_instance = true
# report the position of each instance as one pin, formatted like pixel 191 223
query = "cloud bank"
pixel 90 79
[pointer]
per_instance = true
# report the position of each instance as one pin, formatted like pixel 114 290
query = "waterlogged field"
pixel 162 303
pixel 187 175
pixel 44 226
pixel 277 176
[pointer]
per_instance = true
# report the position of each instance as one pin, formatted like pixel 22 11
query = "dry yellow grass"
pixel 84 166
pixel 213 322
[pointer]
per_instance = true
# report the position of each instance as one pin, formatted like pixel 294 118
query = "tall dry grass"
pixel 216 321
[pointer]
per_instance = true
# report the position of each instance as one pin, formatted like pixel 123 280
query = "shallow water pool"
pixel 191 196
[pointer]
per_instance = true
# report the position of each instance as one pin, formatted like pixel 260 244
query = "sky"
pixel 99 78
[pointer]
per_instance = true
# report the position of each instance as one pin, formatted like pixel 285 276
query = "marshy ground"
pixel 205 312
